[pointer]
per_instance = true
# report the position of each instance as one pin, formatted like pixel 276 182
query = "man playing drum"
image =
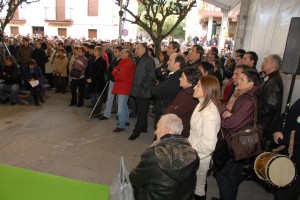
pixel 290 192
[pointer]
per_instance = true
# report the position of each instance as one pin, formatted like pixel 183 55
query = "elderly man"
pixel 167 169
pixel 270 94
pixel 195 56
pixel 166 91
pixel 143 83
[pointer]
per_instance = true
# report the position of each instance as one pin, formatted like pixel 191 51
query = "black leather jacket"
pixel 269 97
pixel 167 170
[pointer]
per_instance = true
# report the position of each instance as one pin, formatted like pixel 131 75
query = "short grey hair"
pixel 173 122
pixel 276 59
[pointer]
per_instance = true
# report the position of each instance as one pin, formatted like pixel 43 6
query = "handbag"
pixel 247 142
pixel 221 153
pixel 121 188
pixel 75 73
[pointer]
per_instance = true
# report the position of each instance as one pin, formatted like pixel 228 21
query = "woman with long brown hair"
pixel 205 125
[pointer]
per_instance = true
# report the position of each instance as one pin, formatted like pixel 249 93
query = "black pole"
pixel 288 102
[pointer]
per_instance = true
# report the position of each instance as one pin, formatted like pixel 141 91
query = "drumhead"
pixel 281 171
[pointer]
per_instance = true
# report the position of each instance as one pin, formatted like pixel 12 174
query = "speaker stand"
pixel 288 102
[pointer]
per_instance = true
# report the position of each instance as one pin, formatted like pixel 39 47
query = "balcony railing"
pixel 58 13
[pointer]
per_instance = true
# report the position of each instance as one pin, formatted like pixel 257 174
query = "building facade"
pixel 76 18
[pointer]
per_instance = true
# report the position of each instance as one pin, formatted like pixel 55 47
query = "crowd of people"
pixel 194 94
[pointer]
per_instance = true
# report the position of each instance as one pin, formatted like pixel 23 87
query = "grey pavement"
pixel 57 139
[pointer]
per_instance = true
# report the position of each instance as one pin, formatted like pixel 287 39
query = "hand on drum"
pixel 276 136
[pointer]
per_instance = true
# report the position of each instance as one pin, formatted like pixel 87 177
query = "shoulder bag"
pixel 247 142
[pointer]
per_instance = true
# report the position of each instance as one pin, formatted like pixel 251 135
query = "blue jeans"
pixel 13 89
pixel 109 101
pixel 123 114
pixel 229 178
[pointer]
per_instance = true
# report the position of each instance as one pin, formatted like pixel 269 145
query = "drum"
pixel 276 169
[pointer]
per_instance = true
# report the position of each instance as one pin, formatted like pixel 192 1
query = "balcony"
pixel 58 15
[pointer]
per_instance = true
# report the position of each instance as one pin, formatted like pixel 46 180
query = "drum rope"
pixel 291 145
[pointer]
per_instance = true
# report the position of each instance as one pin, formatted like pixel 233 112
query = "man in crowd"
pixel 167 169
pixel 11 76
pixel 195 56
pixel 110 96
pixel 39 56
pixel 250 59
pixel 173 47
pixel 166 91
pixel 270 94
pixel 143 83
pixel 24 53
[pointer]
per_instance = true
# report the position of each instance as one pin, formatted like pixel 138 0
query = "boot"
pixel 41 97
pixel 36 100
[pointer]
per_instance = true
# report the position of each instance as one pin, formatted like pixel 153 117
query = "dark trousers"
pixel 289 193
pixel 50 79
pixel 142 107
pixel 79 83
pixel 228 179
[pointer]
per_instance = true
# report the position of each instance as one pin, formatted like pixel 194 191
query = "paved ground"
pixel 57 139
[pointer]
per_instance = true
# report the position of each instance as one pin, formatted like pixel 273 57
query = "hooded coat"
pixel 167 170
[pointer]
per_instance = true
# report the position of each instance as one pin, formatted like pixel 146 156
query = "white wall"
pixel 266 33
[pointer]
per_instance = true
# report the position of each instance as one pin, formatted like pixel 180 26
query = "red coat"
pixel 123 75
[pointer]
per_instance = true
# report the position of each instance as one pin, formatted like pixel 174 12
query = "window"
pixel 60 9
pixel 92 7
pixel 62 32
pixel 92 33
pixel 38 30
pixel 14 30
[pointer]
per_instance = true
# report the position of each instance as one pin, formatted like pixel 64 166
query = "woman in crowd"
pixel 237 114
pixel 60 64
pixel 34 79
pixel 80 64
pixel 184 103
pixel 162 72
pixel 206 68
pixel 205 125
pixel 96 77
pixel 152 54
pixel 50 53
pixel 123 75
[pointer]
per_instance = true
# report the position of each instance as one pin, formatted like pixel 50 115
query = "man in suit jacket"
pixel 166 91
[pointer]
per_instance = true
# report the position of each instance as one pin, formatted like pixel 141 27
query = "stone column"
pixel 224 29
pixel 209 28
pixel 241 25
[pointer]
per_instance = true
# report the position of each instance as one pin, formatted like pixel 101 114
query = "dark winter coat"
pixel 40 57
pixel 12 74
pixel 144 77
pixel 167 170
pixel 96 71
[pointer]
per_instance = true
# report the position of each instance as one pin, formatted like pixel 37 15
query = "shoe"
pixel 5 101
pixel 79 105
pixel 72 104
pixel 103 118
pixel 134 135
pixel 12 103
pixel 215 198
pixel 90 106
pixel 117 130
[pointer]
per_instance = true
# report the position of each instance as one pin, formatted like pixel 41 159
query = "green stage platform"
pixel 21 184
